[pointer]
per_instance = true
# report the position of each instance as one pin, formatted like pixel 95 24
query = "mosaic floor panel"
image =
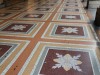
pixel 67 2
pixel 72 5
pixel 69 17
pixel 71 10
pixel 20 28
pixel 15 8
pixel 33 16
pixel 52 5
pixel 9 52
pixel 49 5
pixel 42 9
pixel 7 15
pixel 66 31
pixel 48 37
pixel 52 60
pixel 72 1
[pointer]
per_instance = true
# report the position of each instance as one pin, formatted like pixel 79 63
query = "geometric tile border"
pixel 14 8
pixel 49 5
pixel 42 9
pixel 72 5
pixel 6 15
pixel 72 2
pixel 71 10
pixel 68 31
pixel 11 51
pixel 33 16
pixel 20 28
pixel 70 17
pixel 51 56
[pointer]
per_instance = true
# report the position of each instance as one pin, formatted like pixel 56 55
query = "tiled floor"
pixel 48 37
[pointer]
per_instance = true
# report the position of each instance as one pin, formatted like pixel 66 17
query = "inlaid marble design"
pixel 72 5
pixel 33 16
pixel 70 17
pixel 20 28
pixel 69 30
pixel 14 8
pixel 10 50
pixel 5 49
pixel 48 5
pixel 74 2
pixel 71 1
pixel 54 1
pixel 48 37
pixel 71 10
pixel 43 9
pixel 18 8
pixel 7 15
pixel 65 31
pixel 61 58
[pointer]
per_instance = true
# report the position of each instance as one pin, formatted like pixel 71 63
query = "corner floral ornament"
pixel 67 62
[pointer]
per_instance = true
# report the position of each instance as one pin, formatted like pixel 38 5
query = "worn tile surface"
pixel 48 37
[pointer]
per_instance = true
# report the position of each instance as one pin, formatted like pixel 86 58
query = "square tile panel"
pixel 71 5
pixel 33 16
pixel 27 4
pixel 54 1
pixel 71 1
pixel 71 10
pixel 15 8
pixel 20 28
pixel 66 31
pixel 74 2
pixel 7 15
pixel 10 50
pixel 71 17
pixel 52 4
pixel 61 59
pixel 42 9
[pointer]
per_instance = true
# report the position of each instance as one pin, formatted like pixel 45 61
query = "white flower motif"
pixel 69 30
pixel 18 27
pixel 67 62
pixel 71 9
pixel 70 17
pixel 32 15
